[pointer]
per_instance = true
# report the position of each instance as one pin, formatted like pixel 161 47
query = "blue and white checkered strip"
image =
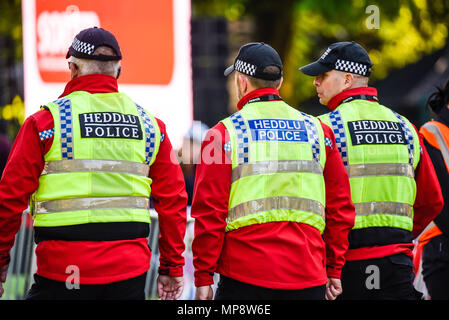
pixel 313 136
pixel 66 124
pixel 408 137
pixel 150 134
pixel 328 142
pixel 242 137
pixel 340 137
pixel 46 134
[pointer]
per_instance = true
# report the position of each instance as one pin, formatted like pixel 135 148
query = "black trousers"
pixel 230 289
pixel 435 267
pixel 387 278
pixel 47 289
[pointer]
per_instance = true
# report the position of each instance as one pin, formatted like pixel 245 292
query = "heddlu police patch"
pixel 285 130
pixel 110 125
pixel 376 132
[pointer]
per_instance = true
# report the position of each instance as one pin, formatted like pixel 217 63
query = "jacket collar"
pixel 254 94
pixel 337 100
pixel 92 83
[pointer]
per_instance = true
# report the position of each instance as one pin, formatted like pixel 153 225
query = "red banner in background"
pixel 143 28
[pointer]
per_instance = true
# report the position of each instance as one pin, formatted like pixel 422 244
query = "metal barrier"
pixel 23 261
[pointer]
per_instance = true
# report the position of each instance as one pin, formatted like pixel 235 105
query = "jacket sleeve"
pixel 20 179
pixel 340 211
pixel 429 200
pixel 170 202
pixel 210 204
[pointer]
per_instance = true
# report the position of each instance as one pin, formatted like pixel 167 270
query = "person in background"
pixel 434 242
pixel 88 163
pixel 189 153
pixel 272 203
pixel 394 187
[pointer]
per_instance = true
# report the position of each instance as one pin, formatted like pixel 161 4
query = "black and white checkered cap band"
pixel 245 67
pixel 83 47
pixel 352 67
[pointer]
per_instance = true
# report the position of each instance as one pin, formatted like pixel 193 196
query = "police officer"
pixel 393 184
pixel 269 186
pixel 89 161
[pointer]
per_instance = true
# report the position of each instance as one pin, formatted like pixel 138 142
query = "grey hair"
pixel 87 66
pixel 360 80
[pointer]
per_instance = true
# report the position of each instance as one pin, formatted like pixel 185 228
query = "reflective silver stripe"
pixel 95 165
pixel 96 203
pixel 380 207
pixel 267 167
pixel 274 203
pixel 380 169
pixel 443 146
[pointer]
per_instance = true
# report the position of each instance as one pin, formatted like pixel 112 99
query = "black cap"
pixel 85 43
pixel 253 58
pixel 343 56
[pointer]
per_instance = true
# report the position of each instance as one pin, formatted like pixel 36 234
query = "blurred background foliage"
pixel 11 27
pixel 12 109
pixel 300 30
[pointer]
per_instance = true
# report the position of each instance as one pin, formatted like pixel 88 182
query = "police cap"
pixel 343 56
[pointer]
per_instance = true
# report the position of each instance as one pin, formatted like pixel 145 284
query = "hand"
pixel 3 273
pixel 169 288
pixel 333 288
pixel 204 293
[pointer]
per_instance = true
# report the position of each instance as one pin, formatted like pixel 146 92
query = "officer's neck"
pixel 337 99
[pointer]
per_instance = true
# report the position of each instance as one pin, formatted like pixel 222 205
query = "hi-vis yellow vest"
pixel 380 150
pixel 278 156
pixel 97 168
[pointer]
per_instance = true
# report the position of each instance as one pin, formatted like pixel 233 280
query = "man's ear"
pixel 349 80
pixel 119 72
pixel 243 82
pixel 74 70
pixel 280 84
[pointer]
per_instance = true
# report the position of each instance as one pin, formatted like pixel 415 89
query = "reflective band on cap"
pixel 380 207
pixel 275 203
pixel 380 169
pixel 77 204
pixel 95 165
pixel 267 167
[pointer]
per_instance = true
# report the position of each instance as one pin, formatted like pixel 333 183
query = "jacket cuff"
pixel 171 271
pixel 203 278
pixel 4 259
pixel 333 272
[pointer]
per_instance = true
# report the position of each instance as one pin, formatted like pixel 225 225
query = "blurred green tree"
pixel 11 29
pixel 394 32
pixel 11 105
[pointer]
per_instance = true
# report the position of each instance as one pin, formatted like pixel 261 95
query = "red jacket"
pixel 428 201
pixel 98 261
pixel 283 255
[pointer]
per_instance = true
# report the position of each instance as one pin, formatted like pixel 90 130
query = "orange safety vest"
pixel 437 135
